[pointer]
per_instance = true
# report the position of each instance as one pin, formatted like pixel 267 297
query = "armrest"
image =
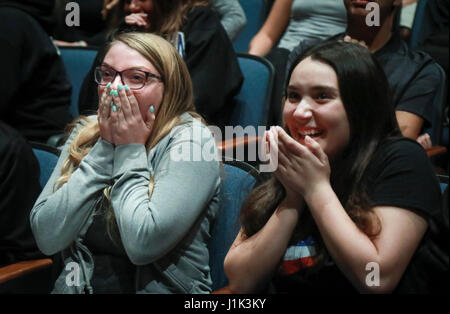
pixel 244 141
pixel 20 269
pixel 436 150
pixel 233 144
pixel 241 148
pixel 237 142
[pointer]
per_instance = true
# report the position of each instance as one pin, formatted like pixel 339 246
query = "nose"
pixel 117 80
pixel 134 7
pixel 303 111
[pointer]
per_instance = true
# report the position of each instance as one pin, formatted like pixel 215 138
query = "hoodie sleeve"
pixel 58 217
pixel 152 225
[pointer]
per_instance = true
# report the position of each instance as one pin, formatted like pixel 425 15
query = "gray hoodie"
pixel 165 235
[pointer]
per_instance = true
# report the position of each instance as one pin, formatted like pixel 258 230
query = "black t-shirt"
pixel 399 175
pixel 35 91
pixel 413 76
pixel 436 44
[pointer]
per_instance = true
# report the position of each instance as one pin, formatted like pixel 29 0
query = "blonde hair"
pixel 177 99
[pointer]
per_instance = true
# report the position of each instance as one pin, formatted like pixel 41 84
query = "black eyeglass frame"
pixel 148 75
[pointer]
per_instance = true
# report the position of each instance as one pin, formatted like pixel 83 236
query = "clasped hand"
pixel 301 168
pixel 120 119
pixel 138 19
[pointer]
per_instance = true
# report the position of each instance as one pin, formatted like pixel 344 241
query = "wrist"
pixel 293 201
pixel 318 194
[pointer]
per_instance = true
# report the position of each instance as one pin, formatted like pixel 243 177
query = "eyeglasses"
pixel 133 78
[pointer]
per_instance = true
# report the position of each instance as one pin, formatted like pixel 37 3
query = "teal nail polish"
pixel 127 88
pixel 108 85
pixel 111 93
pixel 114 108
pixel 119 87
pixel 111 104
pixel 152 109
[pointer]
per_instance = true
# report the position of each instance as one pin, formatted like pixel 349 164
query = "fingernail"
pixel 116 93
pixel 119 87
pixel 152 109
pixel 108 85
pixel 114 108
pixel 112 103
pixel 112 92
pixel 127 88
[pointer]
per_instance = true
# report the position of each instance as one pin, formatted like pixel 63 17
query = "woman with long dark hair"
pixel 352 206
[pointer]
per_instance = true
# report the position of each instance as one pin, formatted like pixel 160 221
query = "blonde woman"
pixel 196 32
pixel 124 205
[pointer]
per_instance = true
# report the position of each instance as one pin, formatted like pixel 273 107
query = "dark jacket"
pixel 35 89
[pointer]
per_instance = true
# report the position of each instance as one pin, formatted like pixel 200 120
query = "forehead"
pixel 122 57
pixel 310 73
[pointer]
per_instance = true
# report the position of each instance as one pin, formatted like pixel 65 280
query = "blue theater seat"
pixel 254 97
pixel 78 61
pixel 256 13
pixel 239 181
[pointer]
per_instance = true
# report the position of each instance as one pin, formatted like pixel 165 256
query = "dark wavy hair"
pixel 368 104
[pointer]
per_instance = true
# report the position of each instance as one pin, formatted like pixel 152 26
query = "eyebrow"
pixel 317 88
pixel 132 68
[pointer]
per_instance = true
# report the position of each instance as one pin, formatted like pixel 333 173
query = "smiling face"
pixel 314 107
pixel 120 57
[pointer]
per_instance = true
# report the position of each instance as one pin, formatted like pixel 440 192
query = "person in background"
pixel 35 88
pixel 92 30
pixel 436 45
pixel 124 200
pixel 407 15
pixel 232 16
pixel 19 189
pixel 195 31
pixel 349 195
pixel 292 21
pixel 289 23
